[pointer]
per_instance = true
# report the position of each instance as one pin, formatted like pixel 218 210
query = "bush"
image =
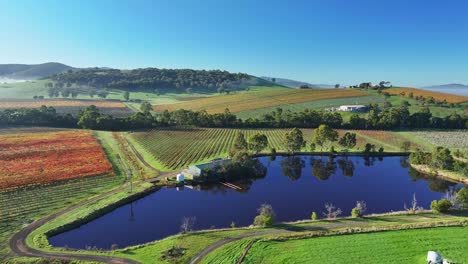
pixel 381 150
pixel 314 216
pixel 419 158
pixel 265 217
pixel 273 151
pixel 355 213
pixel 462 197
pixel 441 206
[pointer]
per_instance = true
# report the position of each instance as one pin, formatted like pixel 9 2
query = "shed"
pixel 197 170
pixel 180 177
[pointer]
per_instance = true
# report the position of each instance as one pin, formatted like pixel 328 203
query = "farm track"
pixel 18 241
pixel 202 254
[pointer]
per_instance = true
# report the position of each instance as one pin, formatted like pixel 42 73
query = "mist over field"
pixel 7 80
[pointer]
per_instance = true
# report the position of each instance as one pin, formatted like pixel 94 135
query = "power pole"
pixel 130 178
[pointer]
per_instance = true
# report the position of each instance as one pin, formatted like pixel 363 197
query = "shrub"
pixel 441 206
pixel 419 157
pixel 314 216
pixel 381 150
pixel 462 197
pixel 359 210
pixel 355 212
pixel 273 151
pixel 265 217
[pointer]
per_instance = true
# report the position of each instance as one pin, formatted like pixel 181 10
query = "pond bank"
pixel 443 174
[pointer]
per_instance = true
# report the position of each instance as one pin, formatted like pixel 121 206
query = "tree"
pixel 88 118
pixel 462 197
pixel 187 224
pixel 126 95
pixel 441 206
pixel 442 159
pixel 294 140
pixel 240 143
pixel 188 90
pixel 273 80
pixel 348 141
pixel 337 86
pixel 258 142
pixel 331 212
pixel 323 135
pixel 359 209
pixel 146 107
pixel 405 146
pixel 265 217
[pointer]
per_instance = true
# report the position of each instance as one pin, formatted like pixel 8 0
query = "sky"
pixel 407 42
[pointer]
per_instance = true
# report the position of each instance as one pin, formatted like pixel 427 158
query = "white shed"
pixel 180 177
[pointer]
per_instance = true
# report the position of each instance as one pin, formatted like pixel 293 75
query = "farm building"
pixel 352 108
pixel 197 170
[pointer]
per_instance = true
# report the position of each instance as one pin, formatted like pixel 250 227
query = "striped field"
pixel 174 149
pixel 257 99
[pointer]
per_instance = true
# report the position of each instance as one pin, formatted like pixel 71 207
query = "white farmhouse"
pixel 352 108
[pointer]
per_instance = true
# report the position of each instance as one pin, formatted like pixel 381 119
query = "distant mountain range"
pixel 31 71
pixel 448 86
pixel 296 84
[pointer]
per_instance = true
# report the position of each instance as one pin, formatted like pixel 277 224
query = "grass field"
pixel 438 96
pixel 43 158
pixel 173 149
pixel 407 246
pixel 260 98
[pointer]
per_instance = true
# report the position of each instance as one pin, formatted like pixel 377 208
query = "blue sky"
pixel 411 42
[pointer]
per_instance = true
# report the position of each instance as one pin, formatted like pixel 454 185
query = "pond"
pixel 294 186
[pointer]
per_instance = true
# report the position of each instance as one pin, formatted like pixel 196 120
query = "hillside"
pixel 295 84
pixel 31 72
pixel 174 80
pixel 448 86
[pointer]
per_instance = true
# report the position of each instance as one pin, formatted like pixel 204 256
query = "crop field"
pixel 451 139
pixel 70 106
pixel 407 246
pixel 24 205
pixel 44 158
pixel 257 99
pixel 451 98
pixel 174 149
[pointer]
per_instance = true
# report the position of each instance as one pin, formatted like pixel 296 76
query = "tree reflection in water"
pixel 292 167
pixel 321 169
pixel 346 166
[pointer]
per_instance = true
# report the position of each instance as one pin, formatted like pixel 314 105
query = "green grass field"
pixel 407 246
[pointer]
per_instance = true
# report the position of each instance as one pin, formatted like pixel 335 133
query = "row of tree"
pixel 91 118
pixel 439 159
pixel 152 78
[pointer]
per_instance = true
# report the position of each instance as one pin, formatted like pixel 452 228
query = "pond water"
pixel 294 186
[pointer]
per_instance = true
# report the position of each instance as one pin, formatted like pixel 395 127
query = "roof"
pixel 360 106
pixel 210 164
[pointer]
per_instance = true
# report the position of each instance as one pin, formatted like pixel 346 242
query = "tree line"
pixel 92 118
pixel 178 80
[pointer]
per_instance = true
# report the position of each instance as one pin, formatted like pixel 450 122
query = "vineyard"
pixel 451 139
pixel 258 99
pixel 174 149
pixel 44 158
pixel 451 98
pixel 24 205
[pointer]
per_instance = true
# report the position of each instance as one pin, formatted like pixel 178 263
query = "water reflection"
pixel 291 167
pixel 288 186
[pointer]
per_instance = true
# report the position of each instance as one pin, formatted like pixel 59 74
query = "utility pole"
pixel 130 177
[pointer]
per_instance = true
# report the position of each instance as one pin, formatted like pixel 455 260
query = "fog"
pixel 8 80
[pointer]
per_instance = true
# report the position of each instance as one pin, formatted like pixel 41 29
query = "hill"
pixel 448 86
pixel 173 80
pixel 295 84
pixel 31 71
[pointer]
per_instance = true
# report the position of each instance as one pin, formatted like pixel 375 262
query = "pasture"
pixel 48 157
pixel 173 149
pixel 258 99
pixel 70 106
pixel 405 246
pixel 438 96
